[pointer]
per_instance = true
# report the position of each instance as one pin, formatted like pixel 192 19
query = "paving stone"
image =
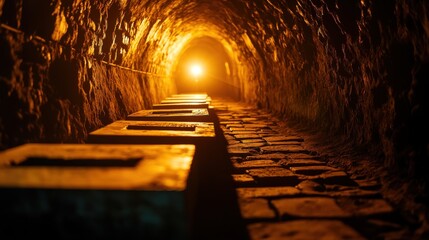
pixel 233 142
pixel 355 193
pixel 284 143
pixel 312 170
pixel 252 140
pixel 256 209
pixel 236 159
pixel 255 125
pixel 256 164
pixel 243 180
pixel 247 136
pixel 267 192
pixel 248 145
pixel 274 175
pixel 382 225
pixel 368 184
pixel 336 187
pixel 310 186
pixel 249 119
pixel 229 122
pixel 266 134
pixel 283 149
pixel 224 118
pixel 365 207
pixel 284 139
pixel 240 151
pixel 337 177
pixel 303 230
pixel 310 207
pixel 273 156
pixel 235 133
pixel 243 129
pixel 235 126
pixel 301 162
pixel 229 137
pixel 302 156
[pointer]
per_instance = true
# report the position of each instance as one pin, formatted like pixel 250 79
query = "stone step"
pixel 180 105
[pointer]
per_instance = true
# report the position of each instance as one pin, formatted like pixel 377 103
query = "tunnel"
pixel 350 75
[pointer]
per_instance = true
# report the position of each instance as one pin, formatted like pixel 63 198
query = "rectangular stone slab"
pixel 191 96
pixel 153 132
pixel 148 199
pixel 174 101
pixel 189 115
pixel 180 105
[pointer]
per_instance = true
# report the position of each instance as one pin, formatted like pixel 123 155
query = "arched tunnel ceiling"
pixel 354 68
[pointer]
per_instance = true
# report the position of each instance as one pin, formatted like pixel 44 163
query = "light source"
pixel 196 71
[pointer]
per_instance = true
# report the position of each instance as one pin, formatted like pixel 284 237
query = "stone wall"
pixel 59 77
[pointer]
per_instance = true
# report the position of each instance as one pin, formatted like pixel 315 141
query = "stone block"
pixel 252 141
pixel 303 156
pixel 273 156
pixel 284 139
pixel 267 192
pixel 364 207
pixel 180 105
pixel 240 152
pixel 310 207
pixel 310 186
pixel 300 162
pixel 178 100
pixel 274 176
pixel 255 164
pixel 96 191
pixel 256 209
pixel 337 177
pixel 153 132
pixel 249 145
pixel 201 96
pixel 312 170
pixel 247 136
pixel 283 149
pixel 183 115
pixel 284 143
pixel 243 180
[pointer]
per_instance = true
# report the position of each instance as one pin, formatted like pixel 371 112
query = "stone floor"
pixel 287 191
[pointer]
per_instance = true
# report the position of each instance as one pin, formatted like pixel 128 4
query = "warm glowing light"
pixel 196 70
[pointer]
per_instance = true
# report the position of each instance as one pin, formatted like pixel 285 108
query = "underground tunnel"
pixel 349 77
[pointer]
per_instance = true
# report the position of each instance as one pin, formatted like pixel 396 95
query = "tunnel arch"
pixel 218 76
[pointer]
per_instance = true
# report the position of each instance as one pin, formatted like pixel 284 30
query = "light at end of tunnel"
pixel 196 70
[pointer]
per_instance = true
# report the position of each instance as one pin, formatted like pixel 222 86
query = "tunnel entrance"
pixel 204 66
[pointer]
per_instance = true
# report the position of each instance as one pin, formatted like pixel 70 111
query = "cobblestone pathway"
pixel 286 191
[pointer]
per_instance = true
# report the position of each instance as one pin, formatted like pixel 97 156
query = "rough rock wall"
pixel 357 68
pixel 58 80
pixel 354 68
